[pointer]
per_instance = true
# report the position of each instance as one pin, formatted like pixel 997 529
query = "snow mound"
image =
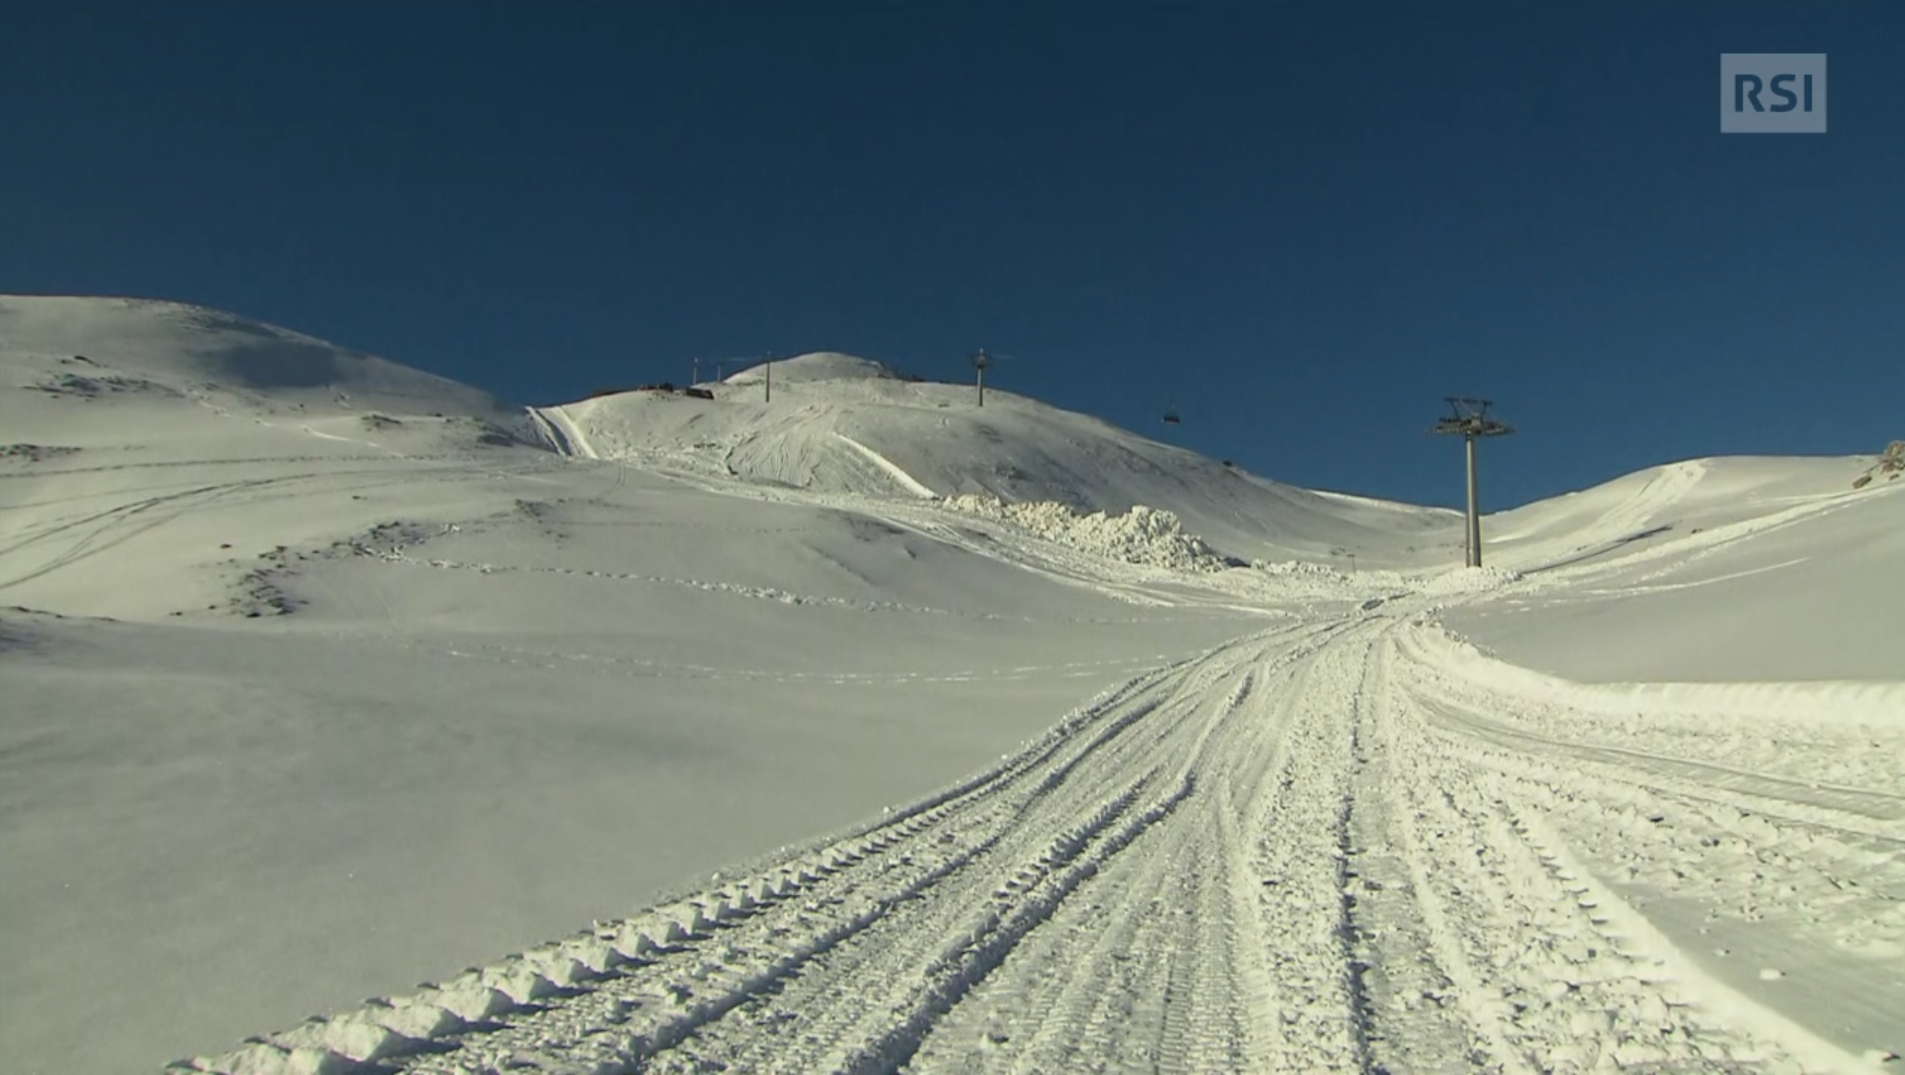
pixel 1299 569
pixel 1143 535
pixel 1468 580
pixel 816 366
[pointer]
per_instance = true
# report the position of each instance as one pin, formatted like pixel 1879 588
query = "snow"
pixel 846 427
pixel 1758 569
pixel 1141 535
pixel 869 729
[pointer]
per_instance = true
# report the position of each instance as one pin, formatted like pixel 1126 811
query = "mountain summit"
pixel 816 366
pixel 840 424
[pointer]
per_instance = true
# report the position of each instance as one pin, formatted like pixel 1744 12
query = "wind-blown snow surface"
pixel 323 678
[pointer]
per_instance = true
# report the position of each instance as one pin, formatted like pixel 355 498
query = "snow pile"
pixel 1142 535
pixel 1468 580
pixel 1302 580
pixel 1300 569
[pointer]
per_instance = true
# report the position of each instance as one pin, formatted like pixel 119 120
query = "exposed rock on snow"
pixel 1891 464
pixel 68 384
pixel 33 453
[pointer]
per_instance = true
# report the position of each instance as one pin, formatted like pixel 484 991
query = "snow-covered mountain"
pixel 872 728
pixel 832 423
pixel 838 424
pixel 166 348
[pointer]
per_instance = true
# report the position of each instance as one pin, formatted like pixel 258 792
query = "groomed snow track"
pixel 1304 851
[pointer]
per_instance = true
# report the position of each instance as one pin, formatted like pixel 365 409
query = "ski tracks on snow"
pixel 1282 856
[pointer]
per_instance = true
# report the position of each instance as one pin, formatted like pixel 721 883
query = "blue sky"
pixel 1304 224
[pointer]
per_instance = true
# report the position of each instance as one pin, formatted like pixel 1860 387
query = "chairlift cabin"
pixel 1170 416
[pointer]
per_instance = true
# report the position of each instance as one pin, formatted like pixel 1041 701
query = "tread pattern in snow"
pixel 1295 853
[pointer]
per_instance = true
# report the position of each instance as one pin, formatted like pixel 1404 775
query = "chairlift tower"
pixel 1469 419
pixel 980 360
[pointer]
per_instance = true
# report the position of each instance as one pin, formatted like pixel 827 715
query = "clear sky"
pixel 1303 224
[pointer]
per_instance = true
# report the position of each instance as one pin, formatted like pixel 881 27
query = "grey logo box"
pixel 1773 93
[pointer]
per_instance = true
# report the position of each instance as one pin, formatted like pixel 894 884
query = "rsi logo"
pixel 1773 93
pixel 1746 90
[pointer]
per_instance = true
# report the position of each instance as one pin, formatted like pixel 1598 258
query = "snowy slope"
pixel 1669 501
pixel 1734 569
pixel 293 690
pixel 128 425
pixel 839 424
pixel 135 347
pixel 318 682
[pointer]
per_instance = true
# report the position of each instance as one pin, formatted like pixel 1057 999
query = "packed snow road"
pixel 1308 850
